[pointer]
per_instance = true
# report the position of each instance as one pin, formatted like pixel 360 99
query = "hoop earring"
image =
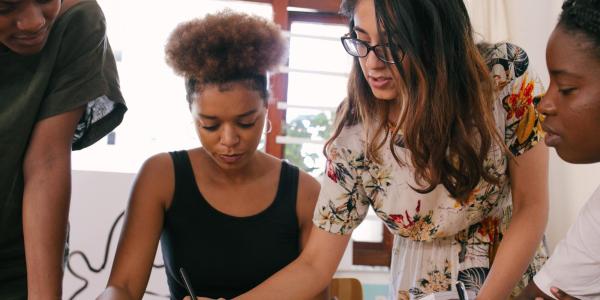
pixel 269 126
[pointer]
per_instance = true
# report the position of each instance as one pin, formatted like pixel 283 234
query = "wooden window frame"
pixel 374 253
pixel 325 11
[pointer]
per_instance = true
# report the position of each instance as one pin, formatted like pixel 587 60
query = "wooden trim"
pixel 320 17
pixel 374 254
pixel 279 84
pixel 331 6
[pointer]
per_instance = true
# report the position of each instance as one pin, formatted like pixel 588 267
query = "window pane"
pixel 306 132
pixel 317 80
pixel 317 47
pixel 313 89
pixel 370 230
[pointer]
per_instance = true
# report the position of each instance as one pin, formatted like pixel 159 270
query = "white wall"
pixel 531 23
pixel 97 199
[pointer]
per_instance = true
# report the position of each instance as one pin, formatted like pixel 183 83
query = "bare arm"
pixel 308 193
pixel 131 269
pixel 46 198
pixel 529 183
pixel 309 274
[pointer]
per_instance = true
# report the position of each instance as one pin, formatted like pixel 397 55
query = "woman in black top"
pixel 230 215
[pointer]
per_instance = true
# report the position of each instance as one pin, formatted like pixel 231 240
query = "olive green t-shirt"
pixel 76 68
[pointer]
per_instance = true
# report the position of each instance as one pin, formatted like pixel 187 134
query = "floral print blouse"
pixel 437 240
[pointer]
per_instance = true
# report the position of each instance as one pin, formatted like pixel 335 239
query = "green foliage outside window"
pixel 315 127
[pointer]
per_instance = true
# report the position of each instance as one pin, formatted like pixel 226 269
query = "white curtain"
pixel 489 19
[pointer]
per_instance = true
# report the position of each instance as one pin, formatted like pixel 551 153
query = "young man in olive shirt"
pixel 59 91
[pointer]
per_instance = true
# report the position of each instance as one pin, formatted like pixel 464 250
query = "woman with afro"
pixel 229 215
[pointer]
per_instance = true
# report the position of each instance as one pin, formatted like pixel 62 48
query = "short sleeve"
pixel 342 204
pixel 84 74
pixel 574 267
pixel 519 90
pixel 523 122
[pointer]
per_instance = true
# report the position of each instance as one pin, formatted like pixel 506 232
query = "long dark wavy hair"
pixel 445 91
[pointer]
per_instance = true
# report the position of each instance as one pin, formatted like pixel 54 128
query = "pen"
pixel 462 292
pixel 187 283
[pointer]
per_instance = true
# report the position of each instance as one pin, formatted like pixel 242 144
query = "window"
pixel 317 77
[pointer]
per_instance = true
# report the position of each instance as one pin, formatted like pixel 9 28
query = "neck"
pixel 248 172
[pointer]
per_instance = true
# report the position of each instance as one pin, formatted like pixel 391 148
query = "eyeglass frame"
pixel 369 48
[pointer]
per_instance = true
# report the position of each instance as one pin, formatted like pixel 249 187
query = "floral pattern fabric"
pixel 437 239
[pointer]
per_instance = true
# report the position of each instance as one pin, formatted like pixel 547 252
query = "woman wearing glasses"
pixel 428 141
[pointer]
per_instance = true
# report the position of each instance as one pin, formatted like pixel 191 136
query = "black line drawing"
pixel 104 262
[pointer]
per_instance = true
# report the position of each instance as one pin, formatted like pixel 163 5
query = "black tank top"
pixel 223 255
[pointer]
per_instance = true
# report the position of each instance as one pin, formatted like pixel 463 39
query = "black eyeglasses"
pixel 359 48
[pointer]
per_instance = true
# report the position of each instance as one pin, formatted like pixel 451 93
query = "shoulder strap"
pixel 288 185
pixel 185 181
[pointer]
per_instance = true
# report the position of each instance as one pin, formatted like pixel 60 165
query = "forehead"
pixel 232 99
pixel 364 17
pixel 573 51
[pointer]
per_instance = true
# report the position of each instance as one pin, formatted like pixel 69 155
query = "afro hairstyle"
pixel 225 47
